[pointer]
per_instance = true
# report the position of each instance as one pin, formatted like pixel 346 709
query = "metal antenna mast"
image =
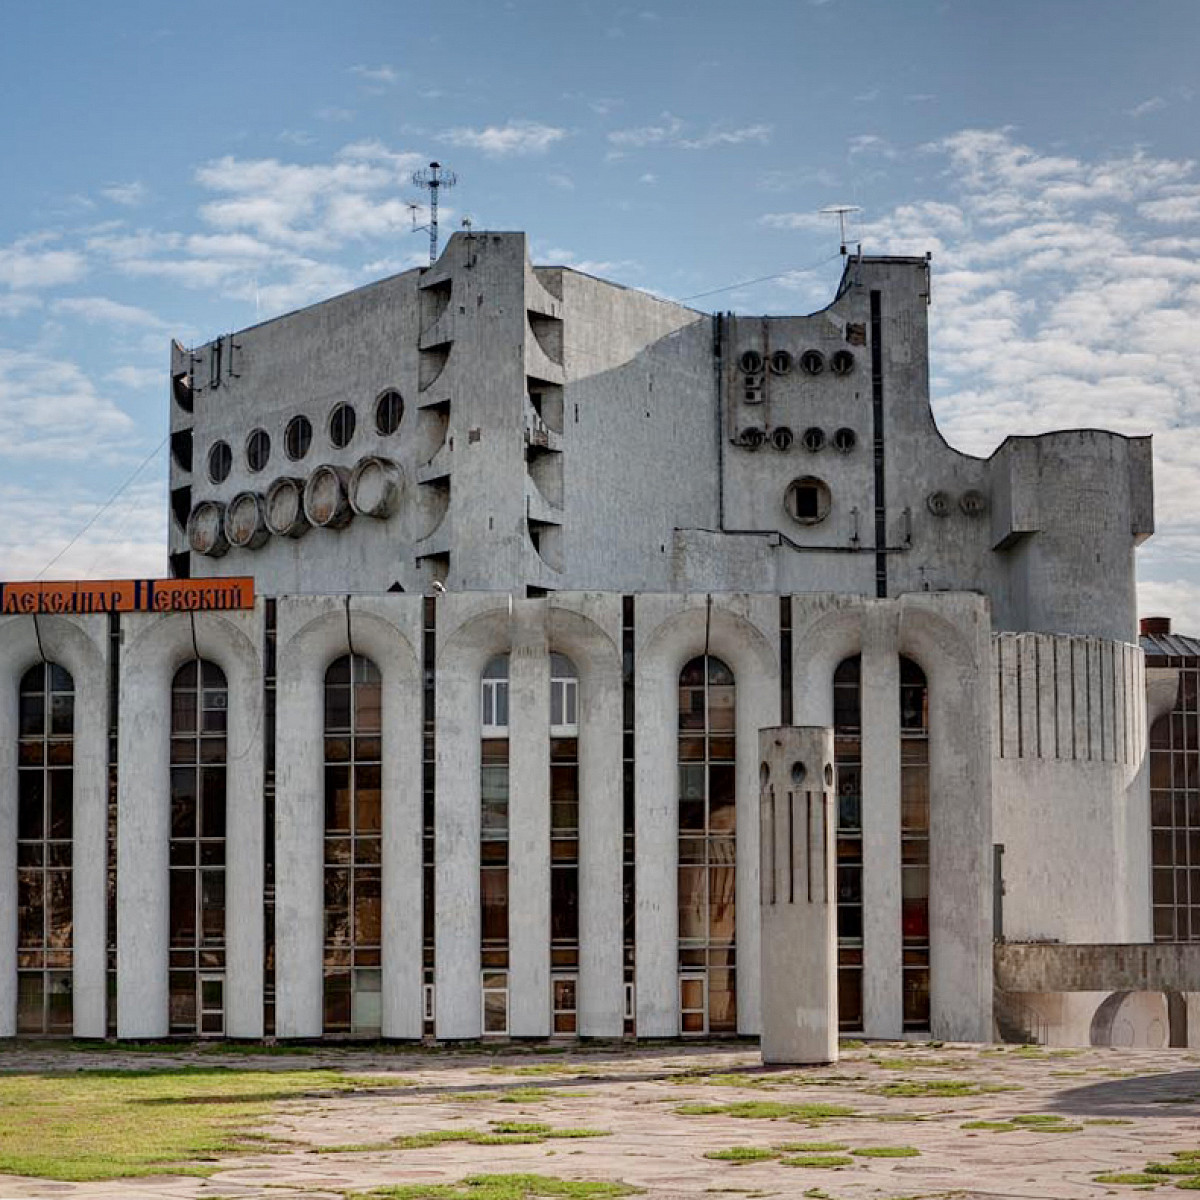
pixel 433 179
pixel 841 210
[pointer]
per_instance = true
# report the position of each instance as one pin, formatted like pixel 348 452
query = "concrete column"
pixel 143 834
pixel 529 824
pixel 883 995
pixel 601 992
pixel 796 885
pixel 456 883
pixel 299 848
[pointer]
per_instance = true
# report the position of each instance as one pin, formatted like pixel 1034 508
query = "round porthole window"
pixel 808 500
pixel 297 438
pixel 753 438
pixel 813 362
pixel 845 440
pixel 781 362
pixel 842 362
pixel 938 503
pixel 814 439
pixel 220 462
pixel 973 503
pixel 258 449
pixel 781 438
pixel 751 362
pixel 389 411
pixel 342 423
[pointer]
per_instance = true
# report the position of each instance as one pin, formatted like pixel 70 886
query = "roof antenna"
pixel 841 210
pixel 433 179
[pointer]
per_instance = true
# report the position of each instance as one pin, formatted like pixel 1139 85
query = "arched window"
pixel 847 724
pixel 45 791
pixel 564 842
pixel 353 847
pixel 199 720
pixel 493 845
pixel 707 848
pixel 914 841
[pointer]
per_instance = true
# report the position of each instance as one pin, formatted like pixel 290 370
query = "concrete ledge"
pixel 1138 967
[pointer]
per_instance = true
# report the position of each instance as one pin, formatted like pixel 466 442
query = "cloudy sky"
pixel 181 170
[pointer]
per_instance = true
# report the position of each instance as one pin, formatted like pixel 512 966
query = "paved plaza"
pixel 889 1120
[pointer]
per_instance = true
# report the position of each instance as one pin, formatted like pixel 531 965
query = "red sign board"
pixel 127 595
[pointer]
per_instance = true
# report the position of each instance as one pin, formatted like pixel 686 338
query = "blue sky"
pixel 187 169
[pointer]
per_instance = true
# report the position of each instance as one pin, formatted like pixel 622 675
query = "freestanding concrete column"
pixel 799 918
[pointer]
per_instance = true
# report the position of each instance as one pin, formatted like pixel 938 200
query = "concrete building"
pixel 536 557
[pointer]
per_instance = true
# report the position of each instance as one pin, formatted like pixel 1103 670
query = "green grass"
pixel 499 1187
pixel 1041 1122
pixel 941 1087
pixel 810 1147
pixel 817 1160
pixel 533 1069
pixel 1127 1177
pixel 502 1133
pixel 742 1154
pixel 532 1095
pixel 766 1110
pixel 1111 1121
pixel 886 1152
pixel 106 1124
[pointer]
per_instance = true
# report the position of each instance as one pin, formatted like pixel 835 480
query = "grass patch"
pixel 1042 1122
pixel 1127 1177
pixel 817 1160
pixel 1116 1121
pixel 533 1069
pixel 886 1152
pixel 499 1187
pixel 767 1110
pixel 104 1124
pixel 1183 1166
pixel 742 1154
pixel 851 1044
pixel 913 1063
pixel 811 1147
pixel 501 1133
pixel 533 1095
pixel 941 1087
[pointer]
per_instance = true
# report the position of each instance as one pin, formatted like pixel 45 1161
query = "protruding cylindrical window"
pixel 353 847
pixel 199 731
pixel 493 846
pixel 564 843
pixel 914 841
pixel 45 791
pixel 707 848
pixel 847 724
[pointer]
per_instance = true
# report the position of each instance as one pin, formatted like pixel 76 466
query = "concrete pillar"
pixel 796 887
pixel 601 994
pixel 883 995
pixel 529 824
pixel 143 834
pixel 456 881
pixel 299 849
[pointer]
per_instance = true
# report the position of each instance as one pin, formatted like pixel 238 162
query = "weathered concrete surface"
pixel 1148 967
pixel 1098 1112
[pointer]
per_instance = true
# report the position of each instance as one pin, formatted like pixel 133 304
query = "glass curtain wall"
pixel 493 845
pixel 564 843
pixel 847 725
pixel 199 747
pixel 914 841
pixel 707 848
pixel 353 847
pixel 45 792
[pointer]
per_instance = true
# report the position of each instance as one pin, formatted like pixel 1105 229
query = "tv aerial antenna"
pixel 432 178
pixel 841 211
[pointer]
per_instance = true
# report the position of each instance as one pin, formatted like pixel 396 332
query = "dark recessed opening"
pixel 781 362
pixel 751 362
pixel 813 362
pixel 181 505
pixel 258 449
pixel 845 440
pixel 342 423
pixel 808 500
pixel 297 438
pixel 753 438
pixel 389 410
pixel 220 462
pixel 814 439
pixel 842 362
pixel 781 438
pixel 181 449
pixel 181 390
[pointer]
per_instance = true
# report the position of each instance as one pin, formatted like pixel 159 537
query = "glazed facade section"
pixel 277 873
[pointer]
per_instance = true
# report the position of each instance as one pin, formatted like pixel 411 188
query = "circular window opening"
pixel 845 440
pixel 829 775
pixel 220 462
pixel 258 449
pixel 751 362
pixel 799 772
pixel 781 362
pixel 973 503
pixel 938 503
pixel 808 500
pixel 297 438
pixel 782 438
pixel 342 423
pixel 764 774
pixel 842 362
pixel 389 409
pixel 813 362
pixel 814 439
pixel 753 438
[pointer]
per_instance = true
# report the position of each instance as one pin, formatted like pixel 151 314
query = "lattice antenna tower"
pixel 433 178
pixel 841 211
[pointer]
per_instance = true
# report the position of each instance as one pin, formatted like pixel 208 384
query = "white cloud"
pixel 666 130
pixel 138 379
pixel 99 310
pixel 728 137
pixel 561 180
pixel 1148 106
pixel 15 303
pixel 128 194
pixel 1179 208
pixel 871 143
pixel 503 141
pixel 382 75
pixel 25 265
pixel 669 130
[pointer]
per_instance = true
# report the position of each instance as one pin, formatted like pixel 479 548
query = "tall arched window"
pixel 564 842
pixel 707 848
pixel 847 724
pixel 914 841
pixel 45 790
pixel 493 845
pixel 199 720
pixel 353 847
